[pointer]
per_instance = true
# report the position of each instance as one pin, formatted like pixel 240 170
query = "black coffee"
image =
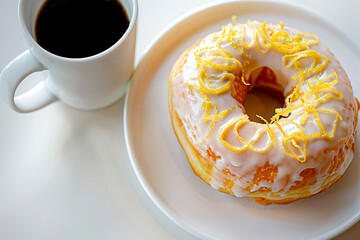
pixel 80 28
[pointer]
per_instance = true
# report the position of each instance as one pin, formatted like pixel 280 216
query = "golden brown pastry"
pixel 306 146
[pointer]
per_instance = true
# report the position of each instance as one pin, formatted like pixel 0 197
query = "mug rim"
pixel 107 51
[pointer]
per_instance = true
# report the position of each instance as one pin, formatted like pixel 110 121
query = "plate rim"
pixel 130 91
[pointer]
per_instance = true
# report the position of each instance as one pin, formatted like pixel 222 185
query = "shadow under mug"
pixel 86 83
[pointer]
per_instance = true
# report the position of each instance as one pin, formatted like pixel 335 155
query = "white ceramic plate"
pixel 162 167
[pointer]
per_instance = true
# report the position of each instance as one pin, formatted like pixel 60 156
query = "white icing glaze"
pixel 244 164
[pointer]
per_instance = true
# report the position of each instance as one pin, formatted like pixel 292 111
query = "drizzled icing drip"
pixel 296 48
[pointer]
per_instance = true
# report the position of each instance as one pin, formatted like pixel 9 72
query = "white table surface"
pixel 65 174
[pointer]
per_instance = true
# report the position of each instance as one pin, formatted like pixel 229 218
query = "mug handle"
pixel 11 77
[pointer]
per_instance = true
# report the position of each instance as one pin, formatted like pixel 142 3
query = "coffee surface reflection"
pixel 80 28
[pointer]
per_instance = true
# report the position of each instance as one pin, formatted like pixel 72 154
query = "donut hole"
pixel 260 102
pixel 264 97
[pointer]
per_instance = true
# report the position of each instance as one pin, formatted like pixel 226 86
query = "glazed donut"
pixel 302 150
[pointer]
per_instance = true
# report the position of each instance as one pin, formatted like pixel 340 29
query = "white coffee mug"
pixel 85 83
